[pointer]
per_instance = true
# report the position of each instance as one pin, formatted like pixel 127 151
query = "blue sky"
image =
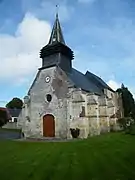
pixel 100 32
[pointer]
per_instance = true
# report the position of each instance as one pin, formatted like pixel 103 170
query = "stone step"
pixel 46 139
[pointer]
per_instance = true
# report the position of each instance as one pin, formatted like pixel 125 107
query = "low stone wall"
pixel 10 125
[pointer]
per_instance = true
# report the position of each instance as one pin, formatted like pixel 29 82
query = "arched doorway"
pixel 48 125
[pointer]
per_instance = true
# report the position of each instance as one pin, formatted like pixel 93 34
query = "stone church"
pixel 61 97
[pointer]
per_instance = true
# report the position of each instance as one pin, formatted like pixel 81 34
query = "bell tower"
pixel 56 52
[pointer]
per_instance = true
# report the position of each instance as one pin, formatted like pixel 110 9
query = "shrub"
pixel 127 124
pixel 75 132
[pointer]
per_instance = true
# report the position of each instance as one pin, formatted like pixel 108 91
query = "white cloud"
pixel 113 84
pixel 19 54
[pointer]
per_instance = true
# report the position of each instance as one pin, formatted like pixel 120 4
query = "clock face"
pixel 47 79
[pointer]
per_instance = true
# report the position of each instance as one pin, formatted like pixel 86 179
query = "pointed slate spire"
pixel 56 35
pixel 56 46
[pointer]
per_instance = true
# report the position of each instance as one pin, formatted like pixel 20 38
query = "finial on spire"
pixel 56 35
pixel 57 10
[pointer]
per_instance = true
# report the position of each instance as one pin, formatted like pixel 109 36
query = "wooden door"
pixel 48 126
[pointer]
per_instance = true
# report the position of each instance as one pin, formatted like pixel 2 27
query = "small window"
pixel 15 119
pixel 49 97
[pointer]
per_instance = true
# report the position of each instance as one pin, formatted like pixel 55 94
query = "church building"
pixel 61 97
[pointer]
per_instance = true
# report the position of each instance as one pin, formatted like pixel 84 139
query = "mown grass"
pixel 106 157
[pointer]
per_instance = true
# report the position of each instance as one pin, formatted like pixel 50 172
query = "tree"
pixel 128 101
pixel 4 116
pixel 15 103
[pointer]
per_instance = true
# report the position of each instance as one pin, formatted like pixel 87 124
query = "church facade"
pixel 61 97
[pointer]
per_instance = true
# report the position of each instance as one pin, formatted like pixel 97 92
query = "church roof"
pixel 56 35
pixel 97 80
pixel 88 82
pixel 81 81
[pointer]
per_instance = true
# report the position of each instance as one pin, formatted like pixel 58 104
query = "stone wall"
pixel 96 111
pixel 77 110
pixel 71 107
pixel 38 105
pixel 93 114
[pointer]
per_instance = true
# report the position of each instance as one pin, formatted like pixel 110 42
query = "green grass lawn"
pixel 106 157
